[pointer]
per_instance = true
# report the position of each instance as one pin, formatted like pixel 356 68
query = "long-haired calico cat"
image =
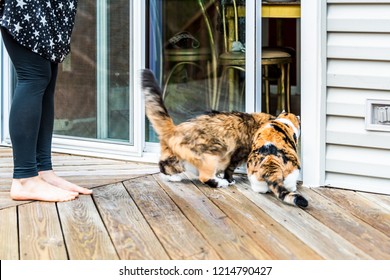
pixel 273 163
pixel 212 143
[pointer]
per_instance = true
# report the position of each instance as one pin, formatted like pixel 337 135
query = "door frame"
pixel 5 94
pixel 313 97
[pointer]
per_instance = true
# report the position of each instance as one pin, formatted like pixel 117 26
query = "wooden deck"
pixel 133 214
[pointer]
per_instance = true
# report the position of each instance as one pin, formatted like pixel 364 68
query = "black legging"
pixel 32 111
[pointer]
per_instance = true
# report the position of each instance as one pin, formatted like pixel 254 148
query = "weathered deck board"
pixel 86 237
pixel 178 236
pixel 130 233
pixel 376 244
pixel 361 207
pixel 84 171
pixel 6 201
pixel 134 215
pixel 315 234
pixel 230 241
pixel 9 248
pixel 276 240
pixel 382 200
pixel 40 232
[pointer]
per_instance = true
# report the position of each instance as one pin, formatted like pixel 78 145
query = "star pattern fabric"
pixel 43 26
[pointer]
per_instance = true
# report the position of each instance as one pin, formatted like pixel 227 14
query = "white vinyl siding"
pixel 358 68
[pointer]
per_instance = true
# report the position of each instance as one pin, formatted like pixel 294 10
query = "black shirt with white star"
pixel 43 26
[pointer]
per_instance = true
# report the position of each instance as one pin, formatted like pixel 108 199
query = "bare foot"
pixel 52 178
pixel 35 188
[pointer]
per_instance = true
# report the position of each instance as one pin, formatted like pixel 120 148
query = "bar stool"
pixel 278 57
pixel 231 62
pixel 232 59
pixel 193 55
pixel 186 57
pixel 281 59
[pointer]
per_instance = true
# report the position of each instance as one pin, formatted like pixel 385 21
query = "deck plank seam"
pixel 144 217
pixel 184 215
pixel 104 224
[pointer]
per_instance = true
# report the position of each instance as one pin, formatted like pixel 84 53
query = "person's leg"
pixel 45 136
pixel 33 74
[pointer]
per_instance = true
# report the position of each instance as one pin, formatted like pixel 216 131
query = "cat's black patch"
pixel 228 173
pixel 238 157
pixel 271 149
pixel 212 183
pixel 268 149
pixel 301 201
pixel 283 193
pixel 149 81
pixel 229 177
pixel 286 138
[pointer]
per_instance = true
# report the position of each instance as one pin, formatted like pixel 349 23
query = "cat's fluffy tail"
pixel 294 198
pixel 155 109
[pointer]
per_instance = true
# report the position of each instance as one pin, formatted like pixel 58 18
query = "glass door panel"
pixel 197 52
pixel 93 99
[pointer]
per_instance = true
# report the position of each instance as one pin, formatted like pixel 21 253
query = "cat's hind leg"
pixel 290 182
pixel 207 168
pixel 254 171
pixel 237 157
pixel 269 175
pixel 274 177
pixel 258 185
pixel 170 165
pixel 170 168
pixel 228 174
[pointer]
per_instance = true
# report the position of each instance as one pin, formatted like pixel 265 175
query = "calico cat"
pixel 212 143
pixel 273 163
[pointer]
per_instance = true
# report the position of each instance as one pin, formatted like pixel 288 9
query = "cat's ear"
pixel 284 111
pixel 299 118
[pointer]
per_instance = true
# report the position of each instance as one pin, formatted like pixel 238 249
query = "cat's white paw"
pixel 258 186
pixel 220 176
pixel 232 182
pixel 222 183
pixel 171 178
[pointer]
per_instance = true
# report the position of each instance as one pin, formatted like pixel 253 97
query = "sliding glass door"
pixel 93 87
pixel 197 50
pixel 203 52
pixel 95 100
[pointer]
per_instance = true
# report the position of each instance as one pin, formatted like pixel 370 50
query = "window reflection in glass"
pixel 197 51
pixel 93 83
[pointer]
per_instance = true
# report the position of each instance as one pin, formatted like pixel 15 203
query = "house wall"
pixel 358 68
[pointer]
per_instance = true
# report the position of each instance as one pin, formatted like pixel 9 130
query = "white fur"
pixel 222 183
pixel 268 144
pixel 171 178
pixel 290 182
pixel 258 186
pixel 220 176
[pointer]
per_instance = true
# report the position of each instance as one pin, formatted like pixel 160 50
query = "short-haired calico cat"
pixel 212 143
pixel 273 163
